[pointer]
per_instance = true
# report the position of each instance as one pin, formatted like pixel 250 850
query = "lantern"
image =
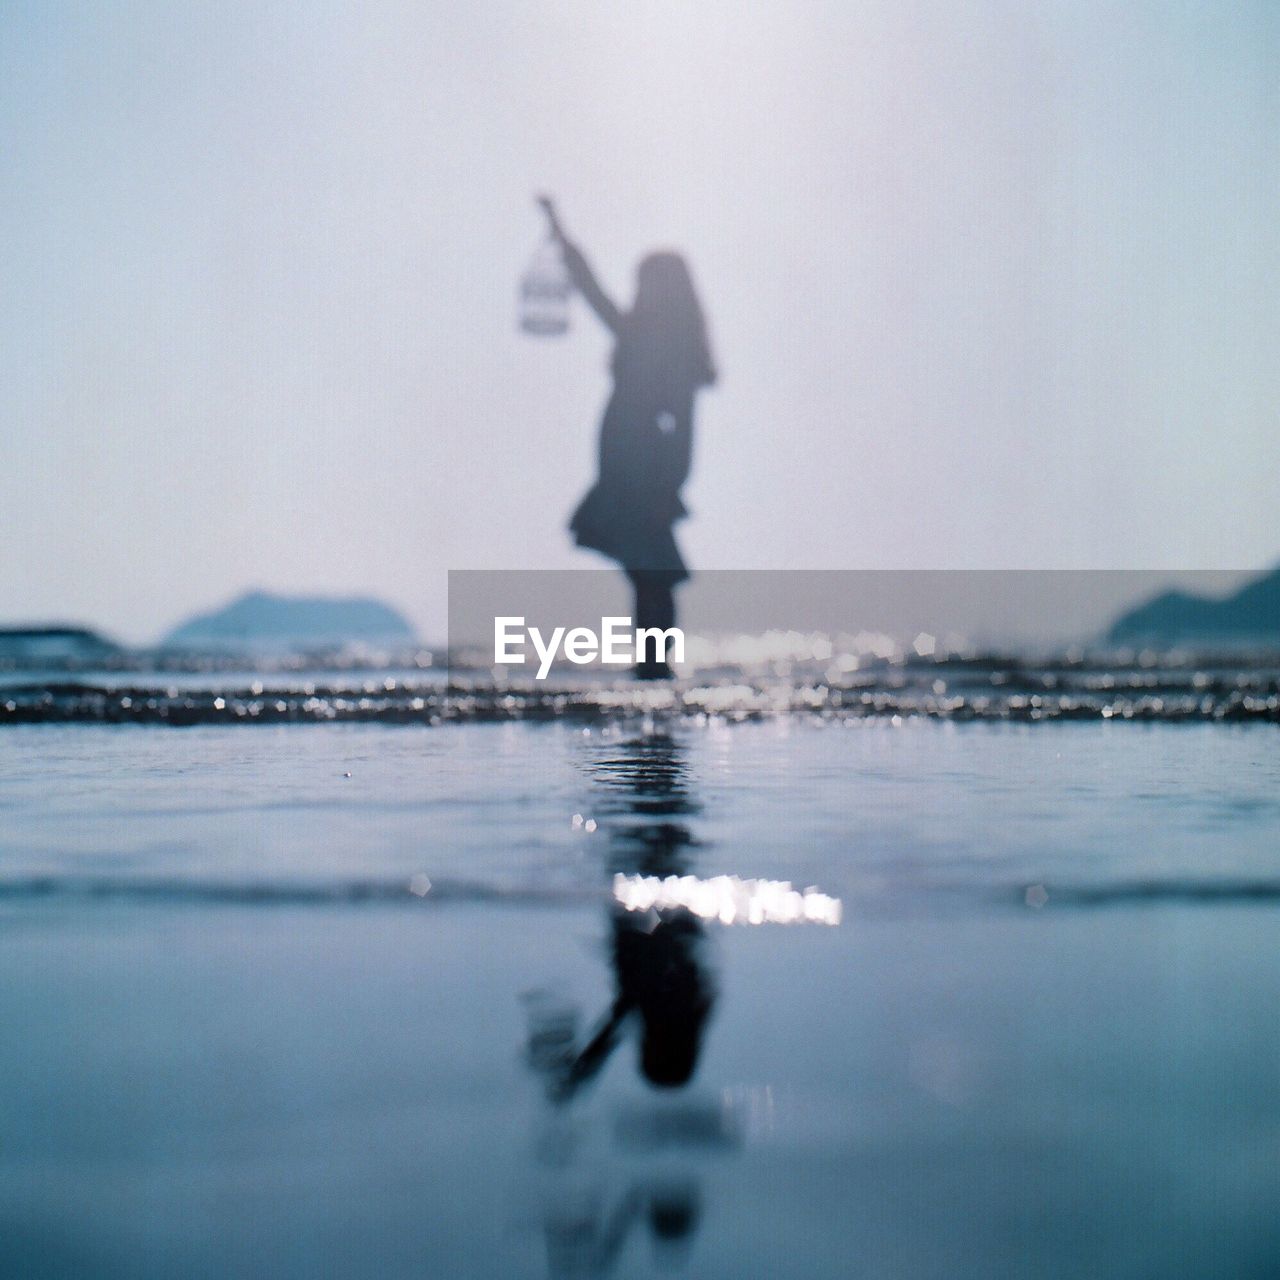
pixel 544 293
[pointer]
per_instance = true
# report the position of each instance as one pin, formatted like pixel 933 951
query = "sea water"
pixel 274 999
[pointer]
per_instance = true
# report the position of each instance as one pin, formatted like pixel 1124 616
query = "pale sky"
pixel 992 285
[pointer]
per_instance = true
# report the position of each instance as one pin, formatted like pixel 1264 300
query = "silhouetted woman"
pixel 661 359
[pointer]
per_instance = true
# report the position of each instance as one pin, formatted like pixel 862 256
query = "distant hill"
pixel 54 643
pixel 1252 614
pixel 260 621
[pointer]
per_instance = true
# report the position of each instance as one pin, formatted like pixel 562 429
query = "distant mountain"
pixel 260 621
pixel 1175 617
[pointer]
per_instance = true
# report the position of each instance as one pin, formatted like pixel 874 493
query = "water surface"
pixel 278 1000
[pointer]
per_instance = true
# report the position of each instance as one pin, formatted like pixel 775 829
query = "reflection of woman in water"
pixel 661 359
pixel 664 993
pixel 663 985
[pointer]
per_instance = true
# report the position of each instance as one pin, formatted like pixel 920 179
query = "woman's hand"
pixel 553 220
pixel 580 270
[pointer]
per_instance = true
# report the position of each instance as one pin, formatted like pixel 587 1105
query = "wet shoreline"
pixel 945 691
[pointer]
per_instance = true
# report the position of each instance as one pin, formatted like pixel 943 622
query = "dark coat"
pixel 646 442
pixel 645 451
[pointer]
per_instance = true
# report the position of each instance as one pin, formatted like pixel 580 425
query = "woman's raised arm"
pixel 580 272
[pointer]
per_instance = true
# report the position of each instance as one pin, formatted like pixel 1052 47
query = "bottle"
pixel 544 293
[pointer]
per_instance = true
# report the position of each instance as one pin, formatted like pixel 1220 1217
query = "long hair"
pixel 664 335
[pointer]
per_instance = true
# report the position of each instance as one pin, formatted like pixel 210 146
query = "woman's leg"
pixel 655 606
